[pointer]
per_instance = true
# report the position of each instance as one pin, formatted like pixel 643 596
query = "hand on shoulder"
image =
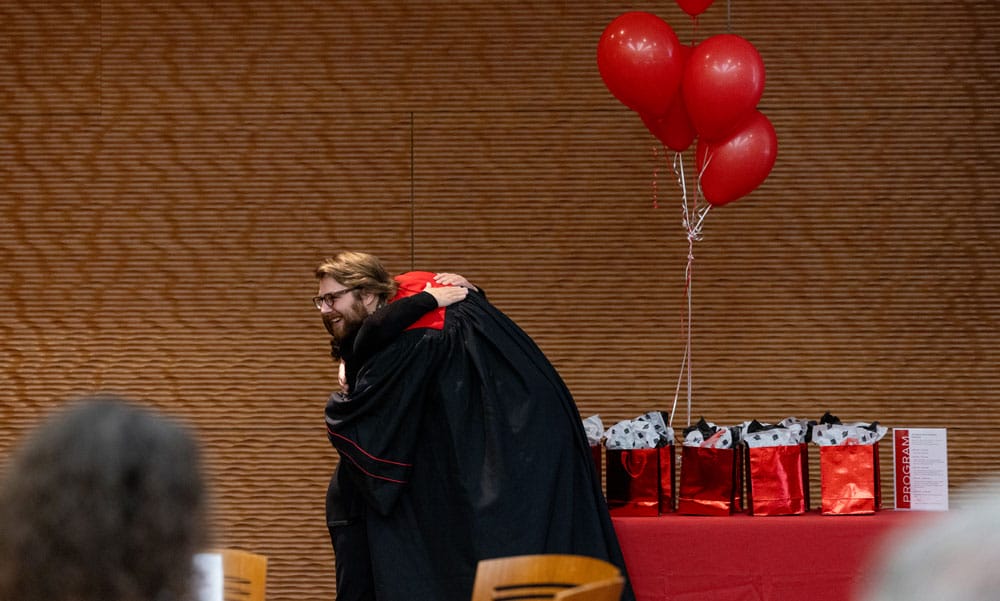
pixel 453 279
pixel 446 295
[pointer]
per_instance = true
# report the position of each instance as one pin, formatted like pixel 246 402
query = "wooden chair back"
pixel 538 576
pixel 244 575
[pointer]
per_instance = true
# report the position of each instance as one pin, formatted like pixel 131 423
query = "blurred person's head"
pixel 954 555
pixel 102 502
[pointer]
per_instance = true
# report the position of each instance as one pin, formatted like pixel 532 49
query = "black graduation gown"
pixel 467 445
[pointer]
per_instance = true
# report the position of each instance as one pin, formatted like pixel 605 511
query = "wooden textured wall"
pixel 172 170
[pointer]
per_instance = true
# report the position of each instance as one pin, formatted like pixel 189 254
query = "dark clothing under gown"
pixel 466 444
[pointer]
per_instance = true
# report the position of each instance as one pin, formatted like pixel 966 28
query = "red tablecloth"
pixel 752 558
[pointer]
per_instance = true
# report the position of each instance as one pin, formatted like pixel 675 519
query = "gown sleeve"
pixel 386 324
pixel 376 427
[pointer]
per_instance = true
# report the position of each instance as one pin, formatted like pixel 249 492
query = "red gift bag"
pixel 777 480
pixel 711 481
pixel 849 479
pixel 640 481
pixel 668 467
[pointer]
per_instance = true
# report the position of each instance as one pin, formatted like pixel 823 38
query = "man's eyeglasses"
pixel 331 297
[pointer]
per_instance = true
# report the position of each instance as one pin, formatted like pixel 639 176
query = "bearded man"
pixel 458 440
pixel 357 332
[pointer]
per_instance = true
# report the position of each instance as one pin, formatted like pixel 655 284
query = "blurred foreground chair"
pixel 561 577
pixel 244 576
pixel 602 590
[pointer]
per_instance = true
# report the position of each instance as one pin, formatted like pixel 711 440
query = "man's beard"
pixel 343 326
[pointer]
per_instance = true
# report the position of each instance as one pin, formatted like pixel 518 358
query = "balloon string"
pixel 687 325
pixel 686 333
pixel 677 392
pixel 694 214
pixel 697 208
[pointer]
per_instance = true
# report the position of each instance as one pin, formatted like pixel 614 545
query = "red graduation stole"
pixel 414 282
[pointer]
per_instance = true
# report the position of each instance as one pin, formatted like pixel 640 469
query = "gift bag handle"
pixel 626 462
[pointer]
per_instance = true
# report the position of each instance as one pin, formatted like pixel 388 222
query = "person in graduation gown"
pixel 465 444
pixel 354 339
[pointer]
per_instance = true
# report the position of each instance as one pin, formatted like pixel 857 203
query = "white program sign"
pixel 208 577
pixel 920 459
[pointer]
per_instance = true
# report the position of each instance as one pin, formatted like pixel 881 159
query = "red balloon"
pixel 732 168
pixel 638 57
pixel 673 129
pixel 722 84
pixel 694 7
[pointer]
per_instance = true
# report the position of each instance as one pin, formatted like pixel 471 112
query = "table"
pixel 753 558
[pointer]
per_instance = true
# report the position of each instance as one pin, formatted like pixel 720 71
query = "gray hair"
pixel 953 555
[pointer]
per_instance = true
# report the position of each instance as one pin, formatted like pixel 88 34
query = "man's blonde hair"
pixel 359 270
